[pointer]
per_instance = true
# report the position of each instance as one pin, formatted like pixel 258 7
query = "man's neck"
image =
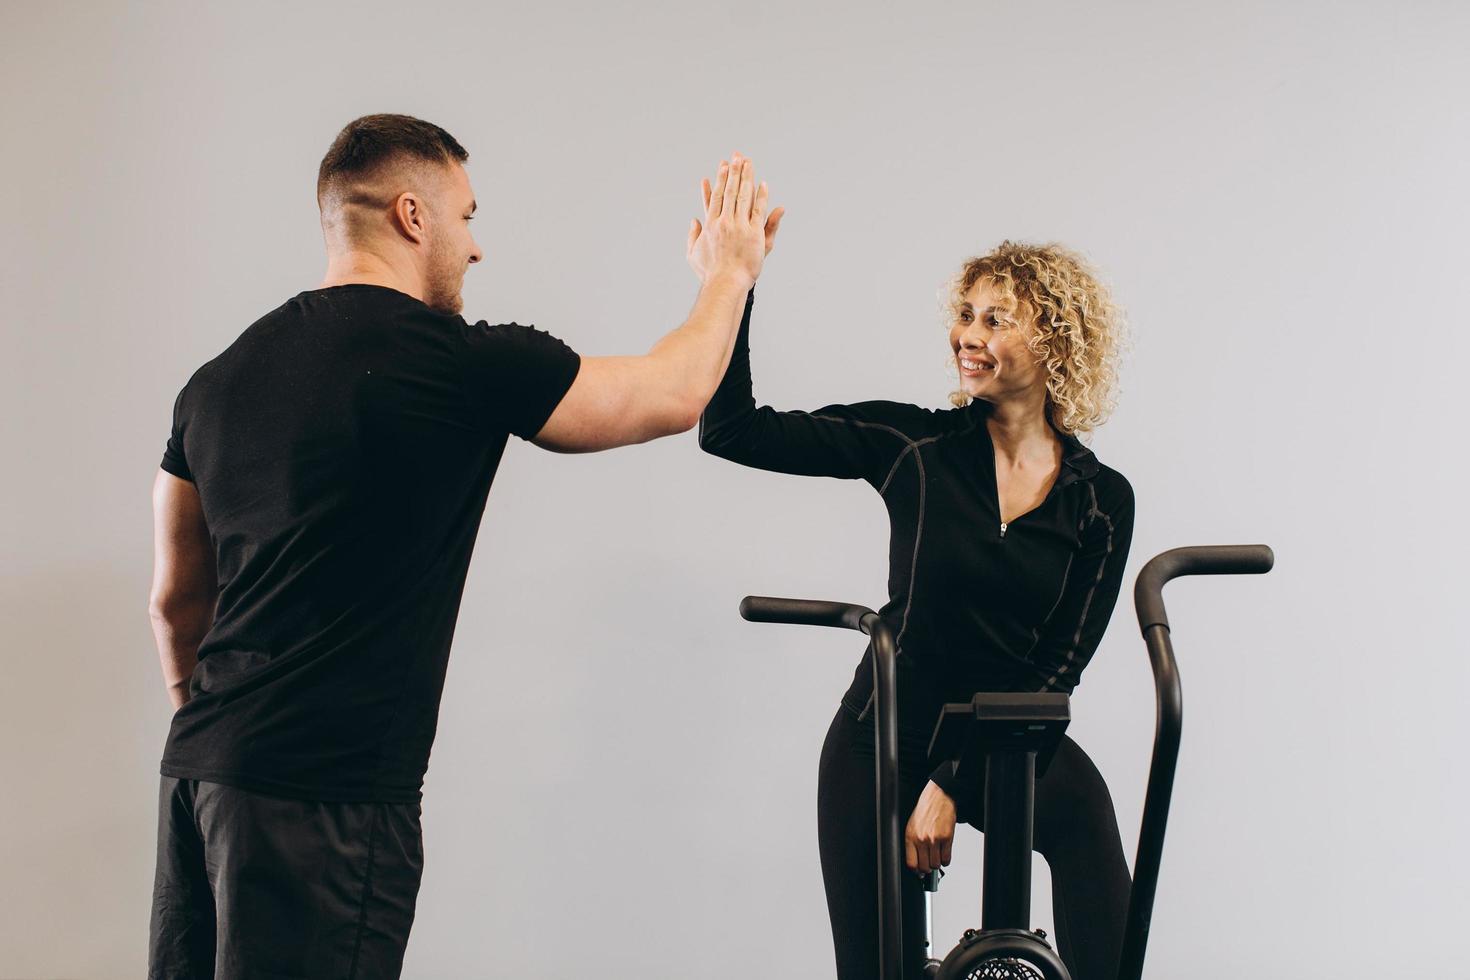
pixel 368 268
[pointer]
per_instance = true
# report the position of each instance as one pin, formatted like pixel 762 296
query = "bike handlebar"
pixel 1218 559
pixel 803 612
pixel 1148 600
pixel 818 612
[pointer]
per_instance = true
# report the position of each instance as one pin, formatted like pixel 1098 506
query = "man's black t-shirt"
pixel 343 449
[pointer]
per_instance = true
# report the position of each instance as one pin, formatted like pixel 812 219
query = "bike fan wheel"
pixel 1004 969
pixel 1003 954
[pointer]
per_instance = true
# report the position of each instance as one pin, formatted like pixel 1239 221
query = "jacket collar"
pixel 1078 462
pixel 1077 457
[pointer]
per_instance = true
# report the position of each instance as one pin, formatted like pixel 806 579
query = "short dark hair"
pixel 366 144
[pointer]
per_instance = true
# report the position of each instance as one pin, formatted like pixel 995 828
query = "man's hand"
pixel 737 233
pixel 929 836
pixel 619 401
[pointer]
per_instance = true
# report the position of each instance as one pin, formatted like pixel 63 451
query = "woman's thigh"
pixel 1076 830
pixel 1074 809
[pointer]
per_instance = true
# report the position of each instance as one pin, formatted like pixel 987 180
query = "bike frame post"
pixel 1010 803
pixel 890 851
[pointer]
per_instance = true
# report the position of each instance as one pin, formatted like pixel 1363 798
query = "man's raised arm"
pixel 619 401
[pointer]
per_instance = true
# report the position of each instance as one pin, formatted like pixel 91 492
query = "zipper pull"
pixel 1003 526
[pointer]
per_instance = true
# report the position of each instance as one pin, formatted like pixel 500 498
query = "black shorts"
pixel 257 886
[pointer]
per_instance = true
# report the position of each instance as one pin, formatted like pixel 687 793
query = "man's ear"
pixel 410 217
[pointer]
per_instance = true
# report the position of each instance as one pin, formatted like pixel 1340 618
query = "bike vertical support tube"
pixel 1168 725
pixel 890 853
pixel 1010 801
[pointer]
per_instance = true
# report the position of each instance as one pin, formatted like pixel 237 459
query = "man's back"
pixel 343 448
pixel 313 522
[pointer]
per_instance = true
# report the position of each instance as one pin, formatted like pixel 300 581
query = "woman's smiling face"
pixel 989 344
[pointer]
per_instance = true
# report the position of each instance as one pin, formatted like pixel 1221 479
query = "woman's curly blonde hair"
pixel 1075 329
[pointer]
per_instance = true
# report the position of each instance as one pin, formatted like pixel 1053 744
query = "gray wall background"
pixel 625 771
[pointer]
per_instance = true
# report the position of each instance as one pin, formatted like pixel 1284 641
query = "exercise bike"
pixel 1015 735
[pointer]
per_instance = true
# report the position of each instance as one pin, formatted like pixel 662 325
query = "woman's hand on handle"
pixel 929 837
pixel 737 233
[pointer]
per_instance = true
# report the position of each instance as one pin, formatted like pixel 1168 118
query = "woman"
pixel 1007 545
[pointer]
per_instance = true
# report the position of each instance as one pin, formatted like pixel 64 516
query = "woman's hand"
pixel 737 233
pixel 929 837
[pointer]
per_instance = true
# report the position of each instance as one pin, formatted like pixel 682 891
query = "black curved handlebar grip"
pixel 816 612
pixel 803 612
pixel 1222 559
pixel 1148 599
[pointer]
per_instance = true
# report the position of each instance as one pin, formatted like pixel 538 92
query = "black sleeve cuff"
pixel 945 778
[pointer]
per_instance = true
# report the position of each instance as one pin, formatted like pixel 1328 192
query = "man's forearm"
pixel 693 357
pixel 178 630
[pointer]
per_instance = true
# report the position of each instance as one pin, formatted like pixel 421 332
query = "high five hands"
pixel 737 233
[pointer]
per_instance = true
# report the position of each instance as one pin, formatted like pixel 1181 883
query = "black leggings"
pixel 1075 829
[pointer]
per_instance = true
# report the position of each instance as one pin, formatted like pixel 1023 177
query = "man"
pixel 315 513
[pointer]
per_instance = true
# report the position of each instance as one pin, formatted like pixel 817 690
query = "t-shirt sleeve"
pixel 515 375
pixel 173 451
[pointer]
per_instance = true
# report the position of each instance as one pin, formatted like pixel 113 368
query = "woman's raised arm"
pixel 858 441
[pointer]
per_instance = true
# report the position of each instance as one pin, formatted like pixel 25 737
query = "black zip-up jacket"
pixel 975 604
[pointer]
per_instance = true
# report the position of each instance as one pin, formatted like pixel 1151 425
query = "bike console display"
pixel 995 722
